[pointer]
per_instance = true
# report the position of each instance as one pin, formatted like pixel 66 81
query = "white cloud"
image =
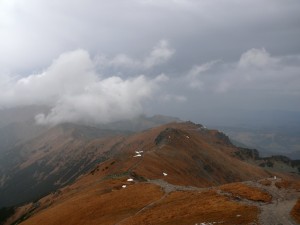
pixel 258 58
pixel 194 75
pixel 255 71
pixel 160 54
pixel 76 93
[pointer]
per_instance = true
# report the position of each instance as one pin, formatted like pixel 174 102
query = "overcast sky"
pixel 98 61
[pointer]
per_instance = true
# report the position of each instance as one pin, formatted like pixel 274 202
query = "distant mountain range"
pixel 283 140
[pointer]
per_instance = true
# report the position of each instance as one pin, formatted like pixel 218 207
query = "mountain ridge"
pixel 175 156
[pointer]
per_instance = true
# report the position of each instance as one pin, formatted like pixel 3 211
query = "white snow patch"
pixel 187 137
pixel 130 179
pixel 138 155
pixel 124 186
pixel 165 174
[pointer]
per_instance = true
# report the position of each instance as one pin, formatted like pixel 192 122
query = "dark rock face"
pixel 246 153
pixel 165 136
pixel 223 138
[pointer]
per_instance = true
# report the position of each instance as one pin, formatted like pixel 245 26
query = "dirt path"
pixel 167 187
pixel 278 212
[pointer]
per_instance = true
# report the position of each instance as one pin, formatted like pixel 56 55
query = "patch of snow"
pixel 130 179
pixel 139 152
pixel 165 174
pixel 124 186
pixel 138 155
pixel 187 137
pixel 238 215
pixel 275 177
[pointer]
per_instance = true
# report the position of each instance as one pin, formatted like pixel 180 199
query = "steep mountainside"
pixel 54 159
pixel 39 159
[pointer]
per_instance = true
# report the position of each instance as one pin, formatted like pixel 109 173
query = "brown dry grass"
pixel 96 207
pixel 283 184
pixel 289 183
pixel 265 182
pixel 243 191
pixel 195 207
pixel 295 213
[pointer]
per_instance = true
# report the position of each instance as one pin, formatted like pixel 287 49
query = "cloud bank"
pixel 74 91
pixel 256 71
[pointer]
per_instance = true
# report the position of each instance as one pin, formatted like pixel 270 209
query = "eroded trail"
pixel 167 187
pixel 278 212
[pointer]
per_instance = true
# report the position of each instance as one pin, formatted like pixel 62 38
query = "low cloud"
pixel 256 71
pixel 75 92
pixel 174 98
pixel 256 58
pixel 160 54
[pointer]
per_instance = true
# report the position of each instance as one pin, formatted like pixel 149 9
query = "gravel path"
pixel 167 187
pixel 278 212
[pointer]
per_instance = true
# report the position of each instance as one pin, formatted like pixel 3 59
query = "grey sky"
pixel 121 58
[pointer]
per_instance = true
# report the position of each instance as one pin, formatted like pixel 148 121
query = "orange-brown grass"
pixel 265 182
pixel 243 191
pixel 283 184
pixel 286 184
pixel 295 213
pixel 95 207
pixel 195 207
